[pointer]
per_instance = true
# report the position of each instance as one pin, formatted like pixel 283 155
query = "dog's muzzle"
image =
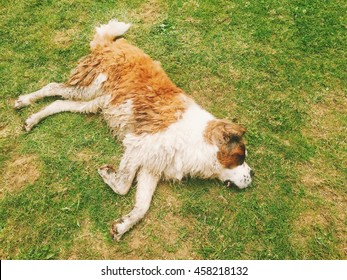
pixel 229 184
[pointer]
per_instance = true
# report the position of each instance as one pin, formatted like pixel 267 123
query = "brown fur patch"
pixel 232 157
pixel 221 132
pixel 228 138
pixel 133 75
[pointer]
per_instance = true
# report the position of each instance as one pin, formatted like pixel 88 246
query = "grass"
pixel 278 67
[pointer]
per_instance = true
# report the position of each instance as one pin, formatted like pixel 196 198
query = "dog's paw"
pixel 109 175
pixel 106 169
pixel 21 102
pixel 28 124
pixel 114 231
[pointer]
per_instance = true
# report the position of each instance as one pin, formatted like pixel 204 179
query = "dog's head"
pixel 231 153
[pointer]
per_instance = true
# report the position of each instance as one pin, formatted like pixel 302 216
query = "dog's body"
pixel 164 132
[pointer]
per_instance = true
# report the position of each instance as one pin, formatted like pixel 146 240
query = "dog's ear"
pixel 223 132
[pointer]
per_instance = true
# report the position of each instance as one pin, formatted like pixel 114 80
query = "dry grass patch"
pixel 9 237
pixel 20 171
pixel 11 125
pixel 151 12
pixel 90 244
pixel 317 173
pixel 305 224
pixel 336 204
pixel 64 38
pixel 326 212
pixel 87 157
pixel 324 122
pixel 163 231
pixel 323 207
pixel 6 131
pixel 2 254
pixel 169 237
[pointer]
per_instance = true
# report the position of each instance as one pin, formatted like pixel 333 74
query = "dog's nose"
pixel 252 173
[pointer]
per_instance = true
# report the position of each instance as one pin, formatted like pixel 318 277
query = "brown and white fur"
pixel 164 132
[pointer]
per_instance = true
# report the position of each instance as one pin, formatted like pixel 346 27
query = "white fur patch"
pixel 113 28
pixel 119 118
pixel 178 151
pixel 240 175
pixel 92 91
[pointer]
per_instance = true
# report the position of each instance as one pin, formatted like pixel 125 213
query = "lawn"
pixel 278 67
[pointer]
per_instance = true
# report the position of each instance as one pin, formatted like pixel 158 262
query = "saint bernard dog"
pixel 164 132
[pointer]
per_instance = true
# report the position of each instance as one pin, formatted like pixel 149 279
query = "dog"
pixel 165 134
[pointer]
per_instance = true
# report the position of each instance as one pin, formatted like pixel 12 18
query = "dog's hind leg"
pixel 52 89
pixel 146 185
pixel 59 106
pixel 120 181
pixel 65 91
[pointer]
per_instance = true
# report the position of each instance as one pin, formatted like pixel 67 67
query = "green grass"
pixel 278 67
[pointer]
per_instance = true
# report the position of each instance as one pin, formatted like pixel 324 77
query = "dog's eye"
pixel 240 159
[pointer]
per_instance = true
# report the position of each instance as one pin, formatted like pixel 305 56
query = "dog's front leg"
pixel 146 185
pixel 120 181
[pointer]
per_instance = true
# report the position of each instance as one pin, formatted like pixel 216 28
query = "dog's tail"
pixel 106 33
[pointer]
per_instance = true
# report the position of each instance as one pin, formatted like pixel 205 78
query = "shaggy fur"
pixel 164 132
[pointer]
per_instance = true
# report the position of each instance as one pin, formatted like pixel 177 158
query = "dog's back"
pixel 130 75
